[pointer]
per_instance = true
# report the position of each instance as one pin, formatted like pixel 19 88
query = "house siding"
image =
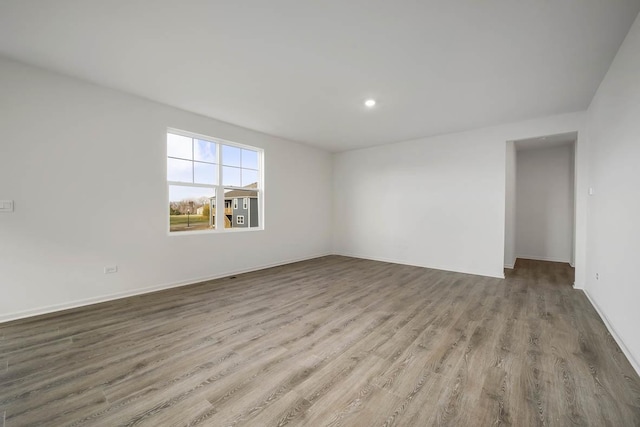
pixel 253 205
pixel 242 212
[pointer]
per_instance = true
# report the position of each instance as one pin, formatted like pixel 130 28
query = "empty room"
pixel 354 213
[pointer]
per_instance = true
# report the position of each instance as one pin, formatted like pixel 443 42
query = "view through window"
pixel 202 170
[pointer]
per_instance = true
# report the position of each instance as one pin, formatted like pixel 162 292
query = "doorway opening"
pixel 540 200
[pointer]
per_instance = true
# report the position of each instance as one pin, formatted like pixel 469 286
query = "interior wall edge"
pixel 4 318
pixel 632 360
pixel 542 258
pixel 396 261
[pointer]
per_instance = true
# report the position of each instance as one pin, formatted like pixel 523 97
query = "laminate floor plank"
pixel 333 341
pixel 250 401
pixel 417 403
pixel 76 404
pixel 187 384
pixel 174 336
pixel 332 402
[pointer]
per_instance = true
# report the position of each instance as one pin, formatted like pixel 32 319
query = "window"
pixel 202 169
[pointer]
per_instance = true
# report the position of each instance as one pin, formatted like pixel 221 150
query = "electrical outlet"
pixel 110 269
pixel 597 276
pixel 6 205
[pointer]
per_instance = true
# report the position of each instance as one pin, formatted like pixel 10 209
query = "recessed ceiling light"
pixel 370 102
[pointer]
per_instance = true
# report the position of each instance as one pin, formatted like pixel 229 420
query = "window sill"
pixel 226 231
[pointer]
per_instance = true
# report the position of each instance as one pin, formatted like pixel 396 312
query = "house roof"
pixel 235 194
pixel 242 193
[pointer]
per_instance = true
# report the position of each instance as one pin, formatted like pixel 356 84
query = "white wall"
pixel 510 207
pixel 544 207
pixel 436 202
pixel 86 167
pixel 613 247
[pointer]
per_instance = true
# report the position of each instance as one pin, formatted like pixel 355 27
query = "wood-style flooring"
pixel 327 342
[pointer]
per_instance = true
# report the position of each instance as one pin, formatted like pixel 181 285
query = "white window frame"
pixel 238 220
pixel 245 203
pixel 219 188
pixel 235 204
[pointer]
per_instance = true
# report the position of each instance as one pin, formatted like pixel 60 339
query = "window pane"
pixel 249 159
pixel 193 164
pixel 230 156
pixel 179 170
pixel 179 146
pixel 231 176
pixel 249 177
pixel 190 208
pixel 211 217
pixel 205 173
pixel 246 215
pixel 204 151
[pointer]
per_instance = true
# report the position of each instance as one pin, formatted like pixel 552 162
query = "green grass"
pixel 193 220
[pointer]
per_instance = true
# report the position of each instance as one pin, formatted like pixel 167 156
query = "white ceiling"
pixel 301 70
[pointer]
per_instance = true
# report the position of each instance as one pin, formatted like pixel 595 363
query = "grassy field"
pixel 196 222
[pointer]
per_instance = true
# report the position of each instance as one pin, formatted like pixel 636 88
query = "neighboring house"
pixel 240 208
pixel 244 207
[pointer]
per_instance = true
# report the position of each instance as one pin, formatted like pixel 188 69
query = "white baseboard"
pixel 104 298
pixel 577 285
pixel 542 258
pixel 614 334
pixel 395 261
pixel 512 264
